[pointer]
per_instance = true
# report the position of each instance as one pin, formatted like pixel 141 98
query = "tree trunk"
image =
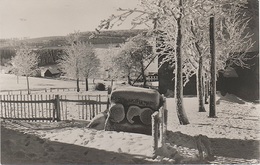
pixel 78 85
pixel 200 86
pixel 129 79
pixel 28 86
pixel 206 91
pixel 143 74
pixel 17 79
pixel 86 79
pixel 178 76
pixel 112 82
pixel 212 103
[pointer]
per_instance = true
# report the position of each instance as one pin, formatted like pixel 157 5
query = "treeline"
pixel 104 37
pixel 49 56
pixel 50 49
pixel 6 55
pixel 46 56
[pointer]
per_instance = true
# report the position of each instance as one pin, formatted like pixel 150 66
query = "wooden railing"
pixel 51 107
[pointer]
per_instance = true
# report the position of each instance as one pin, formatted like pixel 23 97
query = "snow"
pixel 234 135
pixel 236 119
pixel 9 81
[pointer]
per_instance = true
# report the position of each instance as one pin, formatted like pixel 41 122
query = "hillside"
pixel 50 48
pixel 104 37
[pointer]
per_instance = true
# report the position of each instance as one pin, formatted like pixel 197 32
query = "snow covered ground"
pixel 234 138
pixel 236 119
pixel 9 82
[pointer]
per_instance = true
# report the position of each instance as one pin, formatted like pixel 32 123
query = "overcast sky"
pixel 38 18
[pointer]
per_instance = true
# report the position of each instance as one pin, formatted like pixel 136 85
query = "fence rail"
pixel 51 107
pixel 24 91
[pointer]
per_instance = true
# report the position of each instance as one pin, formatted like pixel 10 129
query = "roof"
pixel 53 70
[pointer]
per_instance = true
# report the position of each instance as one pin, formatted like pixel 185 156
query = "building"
pixel 51 72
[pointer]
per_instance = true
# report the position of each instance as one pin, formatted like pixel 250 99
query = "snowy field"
pixel 234 138
pixel 9 82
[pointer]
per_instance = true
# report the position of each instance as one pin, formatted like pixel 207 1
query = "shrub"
pixel 100 87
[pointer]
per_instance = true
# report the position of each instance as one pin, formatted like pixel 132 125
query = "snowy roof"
pixel 53 70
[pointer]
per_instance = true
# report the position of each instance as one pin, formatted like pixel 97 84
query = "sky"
pixel 39 18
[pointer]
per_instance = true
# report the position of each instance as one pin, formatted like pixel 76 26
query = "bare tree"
pixel 25 62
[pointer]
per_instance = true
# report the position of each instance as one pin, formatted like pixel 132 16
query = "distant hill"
pixel 104 37
pixel 50 48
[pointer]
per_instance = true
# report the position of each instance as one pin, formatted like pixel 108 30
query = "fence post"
pixel 161 125
pixel 165 114
pixel 56 108
pixel 163 122
pixel 155 120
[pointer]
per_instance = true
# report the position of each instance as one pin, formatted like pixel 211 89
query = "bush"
pixel 100 87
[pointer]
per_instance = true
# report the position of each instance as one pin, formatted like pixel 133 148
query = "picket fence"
pixel 51 107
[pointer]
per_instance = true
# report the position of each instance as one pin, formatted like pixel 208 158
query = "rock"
pixel 100 87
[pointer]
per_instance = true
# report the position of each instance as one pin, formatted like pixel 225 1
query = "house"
pixel 152 76
pixel 52 72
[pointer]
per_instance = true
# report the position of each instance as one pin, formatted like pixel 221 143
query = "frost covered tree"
pixel 80 59
pixel 217 29
pixel 136 52
pixel 25 62
pixel 165 16
pixel 70 63
pixel 230 39
pixel 125 65
pixel 107 63
pixel 177 18
pixel 89 64
pixel 200 46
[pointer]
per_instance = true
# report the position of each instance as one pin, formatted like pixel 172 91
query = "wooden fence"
pixel 83 107
pixel 159 127
pixel 24 91
pixel 51 107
